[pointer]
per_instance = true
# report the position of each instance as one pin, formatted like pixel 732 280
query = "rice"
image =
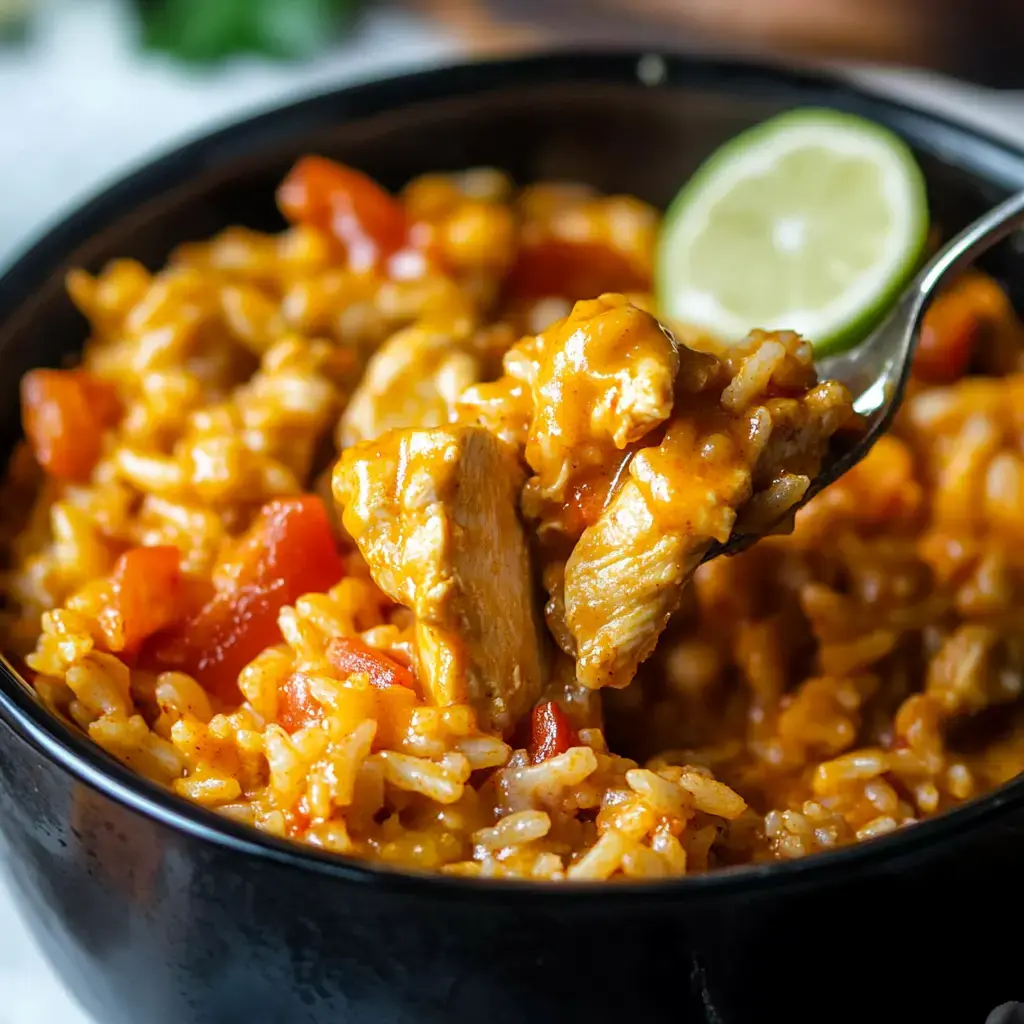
pixel 514 829
pixel 817 690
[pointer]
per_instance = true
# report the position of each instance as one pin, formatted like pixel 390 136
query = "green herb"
pixel 204 31
pixel 14 19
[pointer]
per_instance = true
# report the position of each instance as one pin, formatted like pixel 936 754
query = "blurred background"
pixel 89 88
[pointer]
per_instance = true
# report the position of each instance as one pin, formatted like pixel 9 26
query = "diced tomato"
pixel 949 334
pixel 64 413
pixel 586 499
pixel 290 540
pixel 296 706
pixel 572 270
pixel 101 395
pixel 225 635
pixel 368 222
pixel 551 732
pixel 349 654
pixel 289 551
pixel 147 596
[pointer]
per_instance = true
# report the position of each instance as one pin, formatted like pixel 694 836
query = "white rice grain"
pixel 418 775
pixel 513 829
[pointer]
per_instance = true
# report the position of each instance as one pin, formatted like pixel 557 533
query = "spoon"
pixel 876 371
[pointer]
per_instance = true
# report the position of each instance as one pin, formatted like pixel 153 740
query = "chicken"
pixel 625 576
pixel 573 399
pixel 412 380
pixel 602 379
pixel 501 406
pixel 573 396
pixel 642 454
pixel 434 514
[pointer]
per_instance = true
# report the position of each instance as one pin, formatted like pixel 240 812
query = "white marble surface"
pixel 80 106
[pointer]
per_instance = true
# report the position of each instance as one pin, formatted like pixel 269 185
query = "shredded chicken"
pixel 434 514
pixel 625 576
pixel 412 380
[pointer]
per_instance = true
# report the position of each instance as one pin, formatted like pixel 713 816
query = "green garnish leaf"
pixel 205 31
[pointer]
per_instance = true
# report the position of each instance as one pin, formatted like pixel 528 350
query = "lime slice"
pixel 813 221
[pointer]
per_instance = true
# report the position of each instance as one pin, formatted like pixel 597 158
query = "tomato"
pixel 349 654
pixel 551 732
pixel 571 270
pixel 64 413
pixel 391 706
pixel 147 596
pixel 289 540
pixel 949 335
pixel 585 502
pixel 368 222
pixel 296 705
pixel 288 551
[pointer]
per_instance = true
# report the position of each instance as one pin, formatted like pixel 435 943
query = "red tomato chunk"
pixel 551 732
pixel 368 222
pixel 349 655
pixel 288 551
pixel 572 270
pixel 147 596
pixel 949 335
pixel 64 413
pixel 296 705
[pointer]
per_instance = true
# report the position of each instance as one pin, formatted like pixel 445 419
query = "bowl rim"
pixel 71 751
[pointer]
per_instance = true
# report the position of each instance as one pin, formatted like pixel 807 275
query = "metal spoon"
pixel 876 371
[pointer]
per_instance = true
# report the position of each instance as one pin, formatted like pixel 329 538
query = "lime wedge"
pixel 813 221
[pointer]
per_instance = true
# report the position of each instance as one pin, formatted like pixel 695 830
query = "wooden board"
pixel 974 40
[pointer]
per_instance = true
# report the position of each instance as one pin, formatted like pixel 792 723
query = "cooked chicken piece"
pixel 434 514
pixel 602 379
pixel 626 575
pixel 505 406
pixel 622 582
pixel 412 380
pixel 572 396
pixel 502 406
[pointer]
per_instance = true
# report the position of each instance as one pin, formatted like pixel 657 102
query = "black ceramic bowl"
pixel 157 912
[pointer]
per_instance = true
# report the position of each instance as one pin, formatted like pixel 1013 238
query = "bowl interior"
pixel 587 119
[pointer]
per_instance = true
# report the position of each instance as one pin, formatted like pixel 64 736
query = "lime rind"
pixel 852 312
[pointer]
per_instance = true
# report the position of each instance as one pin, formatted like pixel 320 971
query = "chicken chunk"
pixel 501 406
pixel 601 380
pixel 434 514
pixel 622 582
pixel 741 453
pixel 412 380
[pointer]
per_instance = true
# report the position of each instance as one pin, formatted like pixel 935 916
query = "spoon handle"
pixel 877 370
pixel 962 251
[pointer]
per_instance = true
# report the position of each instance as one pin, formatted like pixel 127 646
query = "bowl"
pixel 154 910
